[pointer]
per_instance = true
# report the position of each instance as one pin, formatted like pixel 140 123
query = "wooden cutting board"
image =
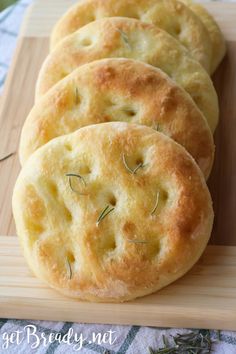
pixel 206 296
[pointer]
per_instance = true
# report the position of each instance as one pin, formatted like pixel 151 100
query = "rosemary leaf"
pixel 71 175
pixel 165 341
pixel 124 37
pixel 76 96
pixel 138 241
pixel 69 269
pixel 135 170
pixel 165 351
pixel 7 156
pixel 151 351
pixel 76 175
pixel 104 213
pixel 126 165
pixel 156 204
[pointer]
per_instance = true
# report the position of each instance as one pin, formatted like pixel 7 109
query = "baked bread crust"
pixel 170 15
pixel 159 227
pixel 119 90
pixel 216 36
pixel 126 37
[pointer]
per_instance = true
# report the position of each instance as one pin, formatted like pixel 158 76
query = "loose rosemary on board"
pixel 7 156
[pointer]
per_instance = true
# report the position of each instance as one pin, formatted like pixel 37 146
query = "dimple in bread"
pixel 170 15
pixel 111 212
pixel 119 90
pixel 130 38
pixel 216 36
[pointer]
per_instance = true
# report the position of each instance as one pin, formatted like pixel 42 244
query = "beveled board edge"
pixel 197 300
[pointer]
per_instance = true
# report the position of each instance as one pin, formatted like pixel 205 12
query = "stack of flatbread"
pixel 112 202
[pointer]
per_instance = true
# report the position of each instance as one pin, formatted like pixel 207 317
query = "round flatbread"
pixel 216 36
pixel 130 38
pixel 170 15
pixel 119 90
pixel 111 212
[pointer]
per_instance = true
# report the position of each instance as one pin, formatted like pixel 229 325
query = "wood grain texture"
pixel 223 178
pixel 43 15
pixel 204 298
pixel 16 103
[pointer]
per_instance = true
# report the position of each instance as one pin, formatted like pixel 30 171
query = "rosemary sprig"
pixel 138 241
pixel 124 37
pixel 76 96
pixel 104 213
pixel 140 165
pixel 69 269
pixel 126 165
pixel 7 156
pixel 190 343
pixel 156 204
pixel 135 170
pixel 151 351
pixel 165 341
pixel 70 175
